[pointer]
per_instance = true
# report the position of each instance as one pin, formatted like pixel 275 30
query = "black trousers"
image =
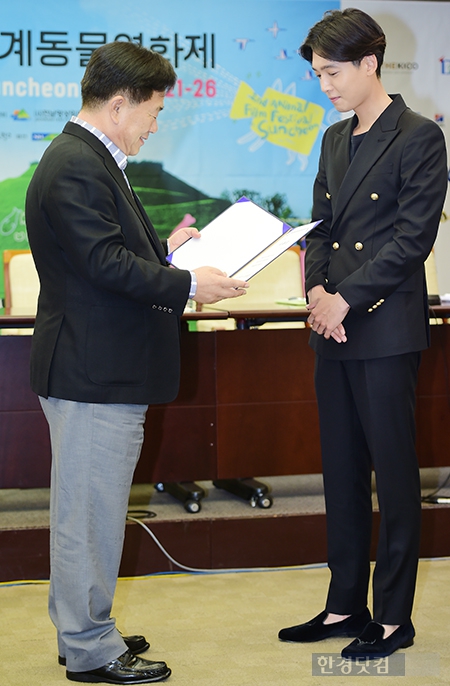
pixel 366 411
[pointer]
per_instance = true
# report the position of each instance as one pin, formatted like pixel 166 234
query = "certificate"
pixel 241 241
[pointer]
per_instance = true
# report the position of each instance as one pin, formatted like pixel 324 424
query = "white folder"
pixel 241 241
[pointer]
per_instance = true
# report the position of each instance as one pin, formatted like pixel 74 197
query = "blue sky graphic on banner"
pixel 246 112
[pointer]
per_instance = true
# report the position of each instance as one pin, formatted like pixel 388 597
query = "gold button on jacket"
pixel 374 196
pixel 335 246
pixel 359 246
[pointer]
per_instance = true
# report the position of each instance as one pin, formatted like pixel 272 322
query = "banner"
pixel 245 117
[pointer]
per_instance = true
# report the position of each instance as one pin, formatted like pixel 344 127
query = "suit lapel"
pixel 376 141
pixel 148 227
pixel 119 177
pixel 340 154
pixel 135 204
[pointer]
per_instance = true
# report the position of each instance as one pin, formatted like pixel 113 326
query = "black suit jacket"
pixel 381 214
pixel 107 326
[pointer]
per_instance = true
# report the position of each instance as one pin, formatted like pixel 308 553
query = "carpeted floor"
pixel 221 629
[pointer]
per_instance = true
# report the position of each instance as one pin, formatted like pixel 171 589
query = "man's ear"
pixel 115 107
pixel 371 64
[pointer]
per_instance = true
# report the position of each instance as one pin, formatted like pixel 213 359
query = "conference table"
pixel 246 405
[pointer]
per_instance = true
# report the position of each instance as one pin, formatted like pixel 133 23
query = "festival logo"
pixel 20 115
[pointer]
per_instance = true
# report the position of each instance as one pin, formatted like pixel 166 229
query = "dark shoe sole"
pixel 348 634
pixel 87 678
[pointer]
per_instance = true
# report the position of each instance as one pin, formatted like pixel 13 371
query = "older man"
pixel 105 345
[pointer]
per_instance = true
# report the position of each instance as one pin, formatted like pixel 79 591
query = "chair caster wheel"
pixel 187 492
pixel 265 501
pixel 192 506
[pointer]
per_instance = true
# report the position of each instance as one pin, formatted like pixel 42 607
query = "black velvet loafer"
pixel 126 669
pixel 135 644
pixel 370 644
pixel 316 630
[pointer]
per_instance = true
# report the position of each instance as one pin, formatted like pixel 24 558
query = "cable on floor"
pixel 434 497
pixel 199 570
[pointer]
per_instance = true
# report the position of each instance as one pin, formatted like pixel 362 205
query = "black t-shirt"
pixel 355 142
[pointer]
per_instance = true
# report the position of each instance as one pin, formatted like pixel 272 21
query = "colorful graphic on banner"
pixel 279 118
pixel 245 115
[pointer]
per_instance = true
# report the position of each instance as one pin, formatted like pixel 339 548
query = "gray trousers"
pixel 95 449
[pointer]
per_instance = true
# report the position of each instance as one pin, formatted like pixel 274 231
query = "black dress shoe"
pixel 371 645
pixel 126 669
pixel 316 630
pixel 135 644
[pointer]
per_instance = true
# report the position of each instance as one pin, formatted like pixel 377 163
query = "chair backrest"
pixel 282 278
pixel 431 275
pixel 21 280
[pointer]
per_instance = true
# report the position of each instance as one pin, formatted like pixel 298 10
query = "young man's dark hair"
pixel 127 68
pixel 345 36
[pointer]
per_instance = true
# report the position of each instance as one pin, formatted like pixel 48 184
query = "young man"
pixel 380 189
pixel 105 345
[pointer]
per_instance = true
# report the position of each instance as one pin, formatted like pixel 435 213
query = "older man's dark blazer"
pixel 107 326
pixel 380 218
